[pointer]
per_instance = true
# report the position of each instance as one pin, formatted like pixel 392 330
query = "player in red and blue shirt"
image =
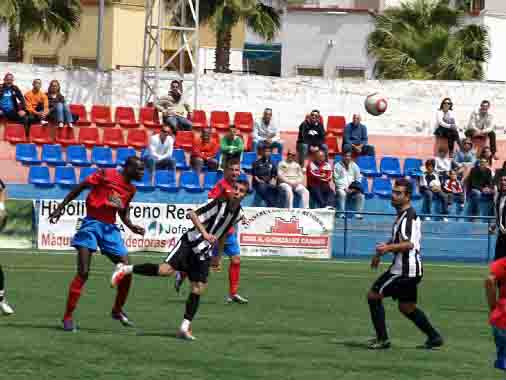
pixel 110 193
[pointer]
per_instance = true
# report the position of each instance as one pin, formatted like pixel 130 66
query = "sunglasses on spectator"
pixel 447 103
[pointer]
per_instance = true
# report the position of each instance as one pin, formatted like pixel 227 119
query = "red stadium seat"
pixel 184 140
pixel 148 116
pixel 40 135
pixel 137 138
pixel 244 121
pixel 113 137
pixel 65 136
pixel 199 119
pixel 80 111
pixel 101 116
pixel 125 117
pixel 331 142
pixel 335 125
pixel 15 133
pixel 220 120
pixel 89 137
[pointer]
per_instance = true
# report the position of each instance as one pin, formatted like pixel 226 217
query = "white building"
pixel 4 42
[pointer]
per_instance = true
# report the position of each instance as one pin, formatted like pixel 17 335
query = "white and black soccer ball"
pixel 375 104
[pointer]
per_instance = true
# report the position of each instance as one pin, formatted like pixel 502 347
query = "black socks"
pixel 378 319
pixel 146 269
pixel 2 284
pixel 192 304
pixel 421 321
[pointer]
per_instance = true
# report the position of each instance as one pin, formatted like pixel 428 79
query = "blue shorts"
pixel 231 246
pixel 95 234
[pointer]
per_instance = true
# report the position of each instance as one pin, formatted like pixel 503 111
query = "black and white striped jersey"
pixel 500 213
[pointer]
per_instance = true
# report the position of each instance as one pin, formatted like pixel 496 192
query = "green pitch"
pixel 306 320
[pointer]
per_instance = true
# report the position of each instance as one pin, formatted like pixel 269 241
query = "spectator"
pixel 231 145
pixel 204 152
pixel 480 185
pixel 59 111
pixel 443 164
pixel 159 154
pixel 265 132
pixel 454 191
pixel 499 173
pixel 37 104
pixel 481 124
pixel 264 172
pixel 12 103
pixel 486 153
pixel 348 181
pixel 355 138
pixel 446 125
pixel 319 176
pixel 291 180
pixel 465 158
pixel 430 188
pixel 311 137
pixel 173 108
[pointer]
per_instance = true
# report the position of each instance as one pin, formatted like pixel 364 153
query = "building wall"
pixel 128 35
pixel 4 40
pixel 496 25
pixel 495 6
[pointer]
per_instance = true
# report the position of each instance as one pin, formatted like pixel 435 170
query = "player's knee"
pixel 165 270
pixel 236 259
pixel 84 273
pixel 407 308
pixel 373 296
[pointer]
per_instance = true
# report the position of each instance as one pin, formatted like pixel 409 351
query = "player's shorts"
pixel 231 246
pixel 94 234
pixel 183 259
pixel 500 247
pixel 397 286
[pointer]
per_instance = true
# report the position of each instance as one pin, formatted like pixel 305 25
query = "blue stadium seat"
pixel 382 187
pixel 27 154
pixel 85 172
pixel 77 155
pixel 390 166
pixel 337 158
pixel 413 167
pixel 179 156
pixel 416 191
pixel 166 180
pixel 102 157
pixel 367 165
pixel 52 154
pixel 276 158
pixel 145 183
pixel 248 158
pixel 190 181
pixel 210 180
pixel 365 186
pixel 122 154
pixel 39 175
pixel 65 176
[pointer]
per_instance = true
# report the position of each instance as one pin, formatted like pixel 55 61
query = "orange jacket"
pixel 205 151
pixel 33 99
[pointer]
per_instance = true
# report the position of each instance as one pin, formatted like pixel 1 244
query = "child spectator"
pixel 443 164
pixel 319 176
pixel 430 187
pixel 465 158
pixel 454 191
pixel 59 111
pixel 231 146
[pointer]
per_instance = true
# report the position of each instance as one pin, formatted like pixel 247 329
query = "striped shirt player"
pixel 400 281
pixel 5 308
pixel 500 220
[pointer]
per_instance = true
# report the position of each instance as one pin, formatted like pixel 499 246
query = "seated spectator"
pixel 481 124
pixel 486 154
pixel 37 104
pixel 311 137
pixel 59 111
pixel 159 153
pixel 173 108
pixel 204 152
pixel 291 180
pixel 265 132
pixel 443 164
pixel 355 138
pixel 319 176
pixel 264 174
pixel 348 182
pixel 465 158
pixel 12 103
pixel 231 146
pixel 454 191
pixel 480 185
pixel 430 188
pixel 446 125
pixel 499 173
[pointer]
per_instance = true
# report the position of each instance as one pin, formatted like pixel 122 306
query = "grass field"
pixel 305 320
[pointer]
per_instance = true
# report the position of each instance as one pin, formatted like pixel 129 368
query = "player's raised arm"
pixel 73 194
pixel 205 214
pixel 124 215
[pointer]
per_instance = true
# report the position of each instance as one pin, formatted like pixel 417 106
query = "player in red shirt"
pixel 497 305
pixel 110 193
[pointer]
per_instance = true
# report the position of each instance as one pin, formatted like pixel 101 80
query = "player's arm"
pixel 204 212
pixel 73 194
pixel 3 198
pixel 491 291
pixel 216 259
pixel 124 215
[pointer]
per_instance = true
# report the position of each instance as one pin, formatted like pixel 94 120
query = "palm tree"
pixel 426 39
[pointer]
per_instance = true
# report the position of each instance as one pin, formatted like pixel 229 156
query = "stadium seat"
pixel 390 166
pixel 85 172
pixel 276 158
pixel 40 135
pixel 220 120
pixel 125 116
pixel 77 155
pixel 27 154
pixel 145 183
pixel 80 111
pixel 122 154
pixel 65 176
pixel 335 125
pixel 39 175
pixel 137 138
pixel 148 116
pixel 14 133
pixel 184 140
pixel 65 136
pixel 367 165
pixel 113 137
pixel 248 141
pixel 365 186
pixel 331 142
pixel 102 157
pixel 89 137
pixel 413 167
pixel 52 155
pixel 190 181
pixel 101 116
pixel 248 158
pixel 244 121
pixel 179 156
pixel 166 180
pixel 210 180
pixel 199 119
pixel 382 187
pixel 337 158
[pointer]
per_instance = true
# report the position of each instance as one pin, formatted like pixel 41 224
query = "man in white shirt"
pixel 291 180
pixel 159 154
pixel 265 132
pixel 348 182
pixel 481 124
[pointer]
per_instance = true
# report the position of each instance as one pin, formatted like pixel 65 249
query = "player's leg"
pixel 500 343
pixel 191 307
pixel 5 308
pixel 233 251
pixel 418 317
pixel 378 291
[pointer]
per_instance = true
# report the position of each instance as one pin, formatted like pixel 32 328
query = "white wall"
pixel 495 5
pixel 4 39
pixel 496 25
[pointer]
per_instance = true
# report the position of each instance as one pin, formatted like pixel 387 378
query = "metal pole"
pixel 489 236
pixel 100 34
pixel 345 235
pixel 196 69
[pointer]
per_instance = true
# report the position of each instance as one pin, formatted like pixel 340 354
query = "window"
pixel 309 71
pixel 44 60
pixel 350 72
pixel 90 63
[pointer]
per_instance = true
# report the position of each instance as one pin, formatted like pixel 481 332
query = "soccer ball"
pixel 375 104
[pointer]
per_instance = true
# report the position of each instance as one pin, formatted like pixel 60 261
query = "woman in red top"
pixel 319 176
pixel 204 153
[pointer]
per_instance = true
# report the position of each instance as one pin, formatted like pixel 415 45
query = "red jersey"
pixel 498 315
pixel 318 173
pixel 218 190
pixel 109 194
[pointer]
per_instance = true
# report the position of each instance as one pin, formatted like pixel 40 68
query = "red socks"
pixel 122 294
pixel 234 272
pixel 75 289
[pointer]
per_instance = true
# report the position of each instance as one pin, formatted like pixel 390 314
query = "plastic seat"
pixel 65 136
pixel 382 187
pixel 125 116
pixel 101 116
pixel 338 158
pixel 220 120
pixel 184 140
pixel 367 165
pixel 137 138
pixel 248 158
pixel 190 182
pixel 199 119
pixel 113 137
pixel 390 166
pixel 80 111
pixel 148 116
pixel 77 155
pixel 14 133
pixel 244 121
pixel 89 136
pixel 180 158
pixel 65 176
pixel 102 157
pixel 331 142
pixel 335 125
pixel 40 135
pixel 122 154
pixel 276 158
pixel 86 172
pixel 145 183
pixel 413 167
pixel 52 154
pixel 166 180
pixel 39 175
pixel 365 186
pixel 210 180
pixel 27 154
